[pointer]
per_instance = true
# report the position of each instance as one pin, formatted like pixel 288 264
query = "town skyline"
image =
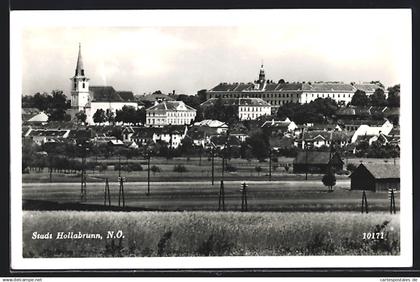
pixel 188 59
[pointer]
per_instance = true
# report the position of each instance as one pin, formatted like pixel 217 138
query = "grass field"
pixel 309 195
pixel 196 170
pixel 210 234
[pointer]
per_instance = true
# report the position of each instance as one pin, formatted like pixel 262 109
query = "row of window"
pixel 281 95
pixel 169 121
pixel 329 95
pixel 252 109
pixel 250 116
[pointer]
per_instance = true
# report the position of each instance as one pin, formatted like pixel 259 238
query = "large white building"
pixel 169 113
pixel 280 93
pixel 248 108
pixel 89 99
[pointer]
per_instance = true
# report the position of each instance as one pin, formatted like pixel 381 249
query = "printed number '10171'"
pixel 373 236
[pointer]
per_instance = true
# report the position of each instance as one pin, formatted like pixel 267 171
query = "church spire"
pixel 79 67
pixel 261 77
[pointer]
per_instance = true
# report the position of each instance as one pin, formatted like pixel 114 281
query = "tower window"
pixel 83 72
pixel 83 85
pixel 75 85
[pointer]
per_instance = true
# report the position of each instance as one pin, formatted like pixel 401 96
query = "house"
pixel 143 136
pixel 127 133
pixel 172 135
pixel 364 129
pixel 317 162
pixel 42 136
pixel 224 141
pixel 79 136
pixel 169 113
pixel 320 138
pixel 280 125
pixel 198 137
pixel 218 126
pixel 34 118
pixel 375 177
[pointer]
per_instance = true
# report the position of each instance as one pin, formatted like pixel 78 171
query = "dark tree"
pixel 360 98
pixel 258 144
pixel 127 114
pixel 99 116
pixel 59 105
pixel 81 116
pixel 329 180
pixel 141 115
pixel 378 98
pixel 394 96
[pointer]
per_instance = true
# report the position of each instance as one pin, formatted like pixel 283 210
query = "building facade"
pixel 169 113
pixel 248 108
pixel 280 93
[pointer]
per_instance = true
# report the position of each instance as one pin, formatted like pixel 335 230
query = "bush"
pixel 155 169
pixel 180 168
pixel 135 167
pixel 351 167
pixel 102 166
pixel 258 169
pixel 230 168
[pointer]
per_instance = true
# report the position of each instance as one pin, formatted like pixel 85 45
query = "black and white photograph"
pixel 211 139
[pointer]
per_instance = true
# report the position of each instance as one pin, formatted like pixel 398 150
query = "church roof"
pixel 127 96
pixel 104 94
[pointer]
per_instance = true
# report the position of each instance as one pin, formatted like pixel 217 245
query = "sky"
pixel 186 57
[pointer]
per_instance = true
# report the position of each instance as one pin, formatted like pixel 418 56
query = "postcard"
pixel 211 139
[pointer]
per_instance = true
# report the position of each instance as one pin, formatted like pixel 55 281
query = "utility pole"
pixel 148 173
pixel 212 165
pixel 244 202
pixel 83 191
pixel 269 168
pixel 119 164
pixel 107 194
pixel 222 196
pixel 121 192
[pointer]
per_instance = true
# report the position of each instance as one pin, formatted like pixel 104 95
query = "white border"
pixel 22 19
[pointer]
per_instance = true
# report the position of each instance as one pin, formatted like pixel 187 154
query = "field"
pixel 210 234
pixel 196 170
pixel 309 195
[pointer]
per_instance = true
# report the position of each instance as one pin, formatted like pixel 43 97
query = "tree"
pixel 258 169
pixel 360 98
pixel 180 168
pixel 141 115
pixel 127 114
pixel 99 116
pixel 222 112
pixel 81 116
pixel 155 169
pixel 329 180
pixel 58 104
pixel 378 98
pixel 259 144
pixel 394 96
pixel 110 117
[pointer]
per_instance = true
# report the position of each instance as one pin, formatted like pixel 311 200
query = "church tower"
pixel 261 77
pixel 80 97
